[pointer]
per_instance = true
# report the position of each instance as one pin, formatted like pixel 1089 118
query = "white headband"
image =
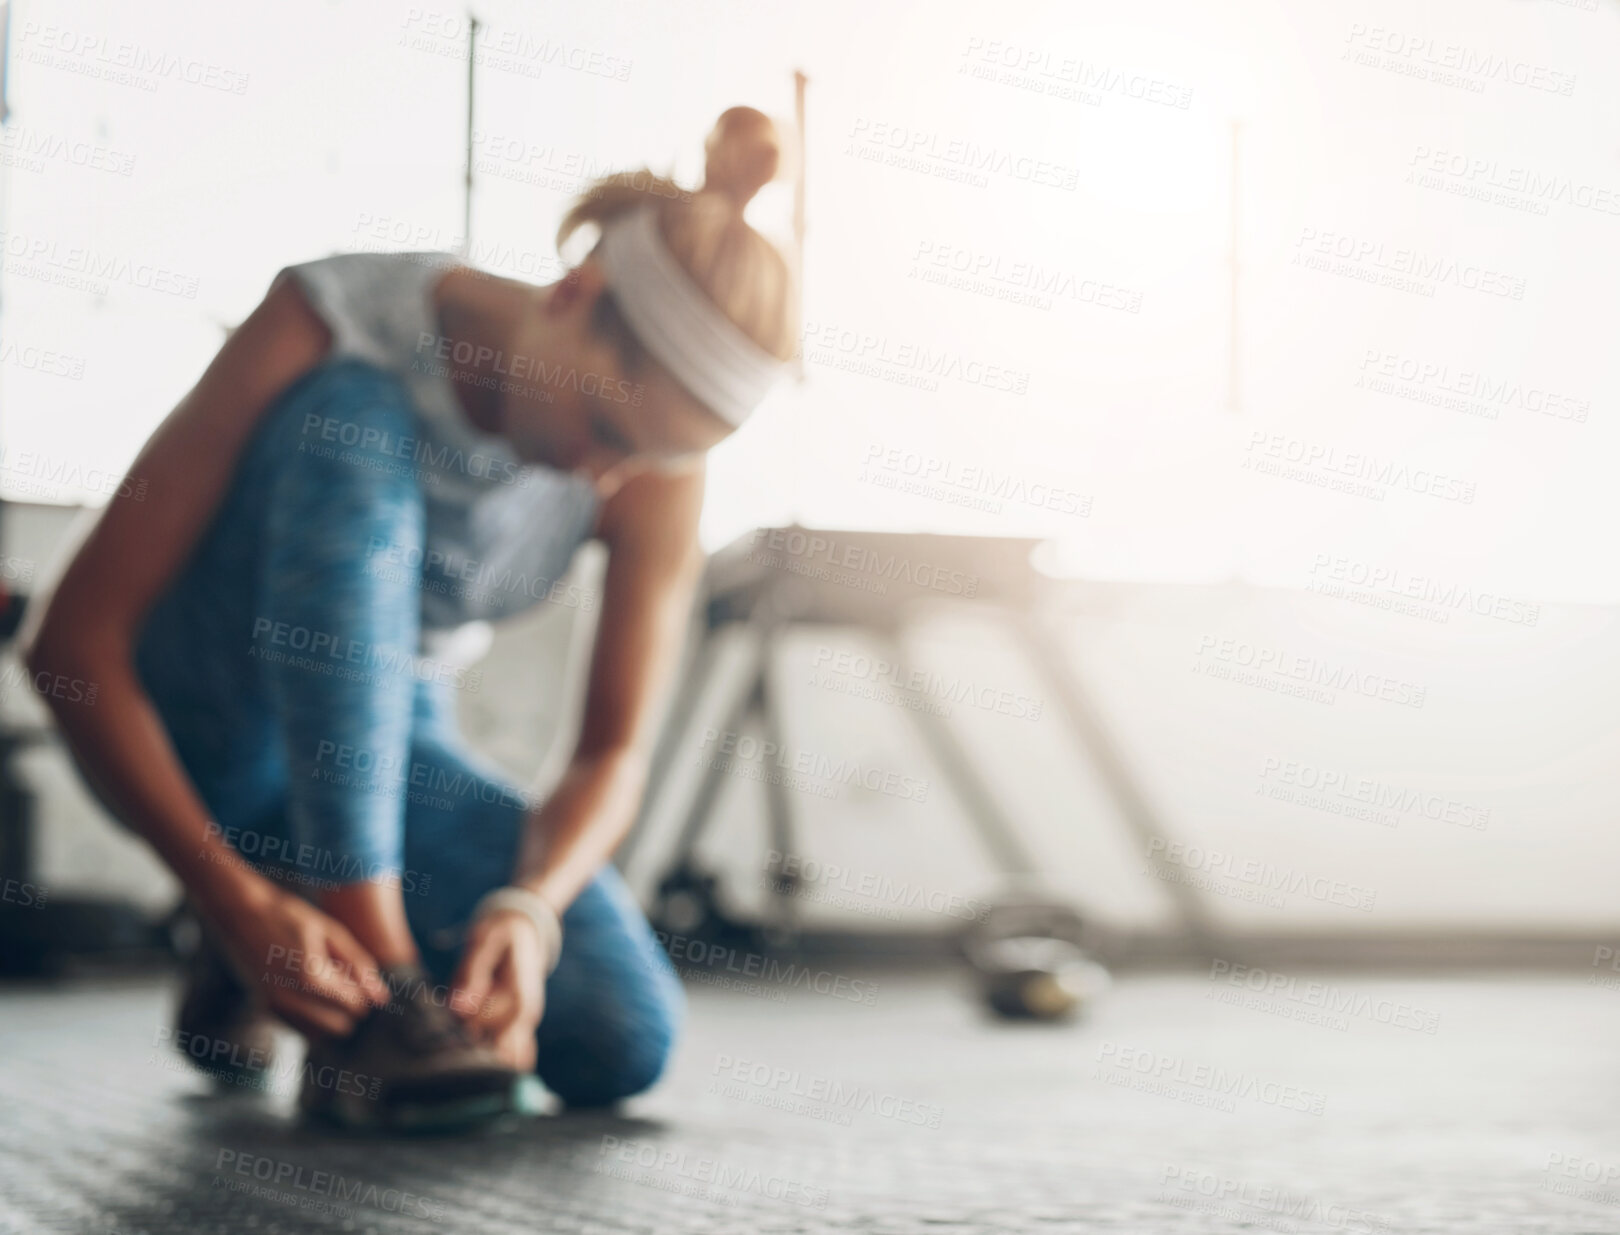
pixel 703 349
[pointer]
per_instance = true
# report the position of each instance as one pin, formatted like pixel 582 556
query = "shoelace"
pixel 425 1026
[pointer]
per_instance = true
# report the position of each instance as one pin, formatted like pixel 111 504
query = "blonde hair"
pixel 737 268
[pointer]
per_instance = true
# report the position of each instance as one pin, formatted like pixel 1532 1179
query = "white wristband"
pixel 532 906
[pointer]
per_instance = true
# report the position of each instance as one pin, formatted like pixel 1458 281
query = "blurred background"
pixel 1288 357
pixel 1195 510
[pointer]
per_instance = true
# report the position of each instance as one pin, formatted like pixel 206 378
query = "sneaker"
pixel 223 1027
pixel 411 1066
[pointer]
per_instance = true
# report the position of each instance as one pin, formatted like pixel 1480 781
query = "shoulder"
pixel 655 511
pixel 371 302
pixel 354 273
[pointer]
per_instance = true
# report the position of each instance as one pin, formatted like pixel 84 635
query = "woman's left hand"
pixel 500 986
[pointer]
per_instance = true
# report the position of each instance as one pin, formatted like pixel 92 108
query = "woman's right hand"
pixel 312 972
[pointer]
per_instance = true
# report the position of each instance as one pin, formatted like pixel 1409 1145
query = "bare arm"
pixel 85 628
pixel 650 526
pixel 88 625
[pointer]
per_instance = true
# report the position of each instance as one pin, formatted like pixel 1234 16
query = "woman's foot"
pixel 411 1066
pixel 223 1028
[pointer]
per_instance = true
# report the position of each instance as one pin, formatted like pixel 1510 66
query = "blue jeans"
pixel 282 662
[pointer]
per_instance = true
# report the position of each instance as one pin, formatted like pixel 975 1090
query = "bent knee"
pixel 591 1073
pixel 600 1064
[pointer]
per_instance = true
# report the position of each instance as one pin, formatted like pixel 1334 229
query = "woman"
pixel 389 447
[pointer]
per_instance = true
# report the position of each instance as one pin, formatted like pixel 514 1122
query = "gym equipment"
pixel 1031 962
pixel 688 904
pixel 43 932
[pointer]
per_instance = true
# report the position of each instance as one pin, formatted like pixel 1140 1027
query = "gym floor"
pixel 1372 1104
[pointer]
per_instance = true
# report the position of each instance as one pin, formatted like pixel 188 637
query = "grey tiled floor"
pixel 1495 1122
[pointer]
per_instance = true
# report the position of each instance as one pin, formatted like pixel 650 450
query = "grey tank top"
pixel 501 533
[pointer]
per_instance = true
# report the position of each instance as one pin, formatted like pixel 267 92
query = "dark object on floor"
pixel 688 905
pixel 42 933
pixel 1030 963
pixel 46 936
